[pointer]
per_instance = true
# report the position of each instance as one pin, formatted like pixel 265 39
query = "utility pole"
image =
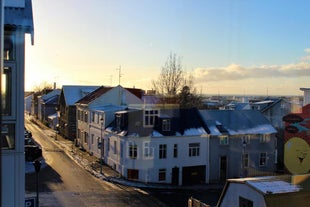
pixel 119 84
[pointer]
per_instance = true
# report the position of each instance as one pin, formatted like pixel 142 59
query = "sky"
pixel 230 46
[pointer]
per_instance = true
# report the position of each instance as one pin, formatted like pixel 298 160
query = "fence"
pixel 192 202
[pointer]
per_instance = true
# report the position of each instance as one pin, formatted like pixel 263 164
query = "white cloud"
pixel 237 72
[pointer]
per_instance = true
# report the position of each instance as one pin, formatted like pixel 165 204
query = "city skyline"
pixel 230 47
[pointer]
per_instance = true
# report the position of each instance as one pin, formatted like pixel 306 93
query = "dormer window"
pixel 121 120
pixel 166 125
pixel 151 117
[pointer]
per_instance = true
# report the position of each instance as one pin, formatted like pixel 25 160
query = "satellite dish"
pixel 297 156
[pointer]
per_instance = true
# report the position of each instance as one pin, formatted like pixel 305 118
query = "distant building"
pixel 242 144
pixel 48 105
pixel 67 110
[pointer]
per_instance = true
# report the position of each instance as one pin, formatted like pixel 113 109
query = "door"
pixel 175 176
pixel 223 168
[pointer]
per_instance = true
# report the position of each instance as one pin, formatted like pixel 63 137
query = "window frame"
pixel 162 151
pixel 132 150
pixel 224 139
pixel 150 117
pixel 162 174
pixel 262 157
pixel 166 125
pixel 194 149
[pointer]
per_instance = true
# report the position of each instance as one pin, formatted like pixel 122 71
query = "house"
pixel 28 100
pixel 272 191
pixel 17 22
pixel 242 143
pixel 48 104
pixel 158 145
pixel 67 110
pixel 96 111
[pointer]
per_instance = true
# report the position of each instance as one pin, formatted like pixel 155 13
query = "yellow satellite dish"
pixel 297 156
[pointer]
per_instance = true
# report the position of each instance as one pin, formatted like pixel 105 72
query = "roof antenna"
pixel 119 74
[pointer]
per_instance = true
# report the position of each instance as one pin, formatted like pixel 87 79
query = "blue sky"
pixel 231 47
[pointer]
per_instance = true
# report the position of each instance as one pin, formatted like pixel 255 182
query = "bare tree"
pixel 171 79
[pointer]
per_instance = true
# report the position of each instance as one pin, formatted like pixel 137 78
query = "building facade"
pixel 17 21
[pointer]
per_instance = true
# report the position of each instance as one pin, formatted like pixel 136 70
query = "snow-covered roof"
pixel 73 93
pixel 51 94
pixel 236 122
pixel 19 16
pixel 273 186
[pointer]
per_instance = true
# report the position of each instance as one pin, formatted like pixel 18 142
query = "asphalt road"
pixel 64 183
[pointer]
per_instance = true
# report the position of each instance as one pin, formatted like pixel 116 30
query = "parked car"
pixel 33 150
pixel 27 133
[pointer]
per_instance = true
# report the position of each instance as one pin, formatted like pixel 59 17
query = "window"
pixel 92 139
pixel 246 139
pixel 161 174
pixel 150 118
pixel 8 136
pixel 243 202
pixel 175 150
pixel 115 147
pixel 166 125
pixel 132 151
pixel 262 159
pixel 85 116
pixel 224 140
pixel 245 160
pixel 93 116
pixel 162 151
pixel 85 137
pixel 194 149
pixel 6 91
pixel 148 152
pixel 264 138
pixel 132 174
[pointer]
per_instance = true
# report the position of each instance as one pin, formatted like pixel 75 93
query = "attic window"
pixel 166 125
pixel 150 118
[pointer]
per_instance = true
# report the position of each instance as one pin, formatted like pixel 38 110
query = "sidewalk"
pixel 92 165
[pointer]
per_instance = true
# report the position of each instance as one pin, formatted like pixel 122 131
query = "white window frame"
pixel 264 138
pixel 166 124
pixel 148 151
pixel 132 150
pixel 149 117
pixel 194 149
pixel 263 157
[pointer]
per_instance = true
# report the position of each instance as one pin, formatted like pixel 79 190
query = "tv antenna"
pixel 119 74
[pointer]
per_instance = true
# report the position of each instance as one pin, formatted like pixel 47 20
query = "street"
pixel 64 183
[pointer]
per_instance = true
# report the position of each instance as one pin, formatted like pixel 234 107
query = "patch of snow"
pixel 194 131
pixel 156 134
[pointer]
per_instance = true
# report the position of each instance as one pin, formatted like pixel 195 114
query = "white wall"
pixel 149 167
pixel 235 190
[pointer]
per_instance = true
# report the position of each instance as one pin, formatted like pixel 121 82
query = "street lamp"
pixel 37 167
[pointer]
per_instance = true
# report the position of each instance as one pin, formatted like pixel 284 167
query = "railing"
pixel 192 202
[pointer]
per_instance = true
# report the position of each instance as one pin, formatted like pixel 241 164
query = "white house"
pixel 96 111
pixel 273 191
pixel 158 145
